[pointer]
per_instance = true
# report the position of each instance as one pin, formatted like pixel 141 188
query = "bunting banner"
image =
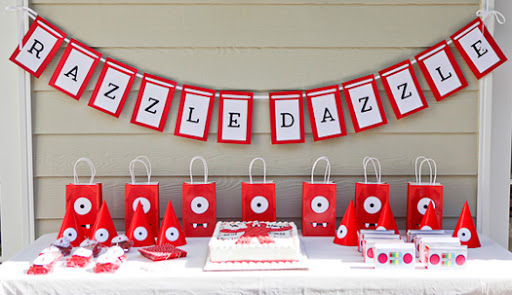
pixel 437 64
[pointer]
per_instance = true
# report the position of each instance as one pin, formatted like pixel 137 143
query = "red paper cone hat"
pixel 140 231
pixel 386 219
pixel 70 228
pixel 346 234
pixel 170 231
pixel 103 229
pixel 465 229
pixel 429 220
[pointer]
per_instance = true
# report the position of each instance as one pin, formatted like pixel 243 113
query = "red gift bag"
pixel 371 196
pixel 84 198
pixel 420 194
pixel 199 205
pixel 144 192
pixel 258 198
pixel 319 204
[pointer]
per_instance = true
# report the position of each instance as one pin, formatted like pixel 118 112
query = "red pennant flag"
pixel 346 234
pixel 441 71
pixel 325 112
pixel 40 44
pixel 429 220
pixel 387 220
pixel 75 69
pixel 364 103
pixel 195 112
pixel 286 117
pixel 70 228
pixel 170 231
pixel 103 229
pixel 465 229
pixel 235 117
pixel 140 231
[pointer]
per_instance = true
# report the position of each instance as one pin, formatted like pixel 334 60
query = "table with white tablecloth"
pixel 333 269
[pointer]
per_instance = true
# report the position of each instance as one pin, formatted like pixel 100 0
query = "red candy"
pixel 162 252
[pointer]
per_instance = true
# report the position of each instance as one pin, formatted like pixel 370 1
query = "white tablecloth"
pixel 333 269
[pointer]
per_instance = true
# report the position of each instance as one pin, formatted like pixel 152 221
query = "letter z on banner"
pixel 153 102
pixel 364 103
pixel 441 70
pixel 195 112
pixel 478 48
pixel 325 112
pixel 286 117
pixel 40 44
pixel 403 89
pixel 235 117
pixel 113 87
pixel 75 69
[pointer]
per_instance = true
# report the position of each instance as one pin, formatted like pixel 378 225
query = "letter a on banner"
pixel 153 102
pixel 195 112
pixel 325 112
pixel 478 48
pixel 113 87
pixel 40 44
pixel 364 103
pixel 235 117
pixel 441 70
pixel 75 69
pixel 286 117
pixel 403 90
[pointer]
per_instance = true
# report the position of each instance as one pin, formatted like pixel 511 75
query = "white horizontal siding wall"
pixel 253 45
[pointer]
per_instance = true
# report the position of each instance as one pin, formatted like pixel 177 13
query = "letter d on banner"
pixel 286 117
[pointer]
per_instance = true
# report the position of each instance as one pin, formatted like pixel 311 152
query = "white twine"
pixel 378 171
pixel 204 166
pixel 264 169
pixel 147 165
pixel 433 173
pixel 327 174
pixel 91 165
pixel 483 14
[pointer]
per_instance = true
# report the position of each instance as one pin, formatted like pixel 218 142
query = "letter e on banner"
pixel 195 112
pixel 478 48
pixel 153 102
pixel 441 71
pixel 40 44
pixel 75 69
pixel 364 103
pixel 113 87
pixel 235 117
pixel 286 117
pixel 325 112
pixel 403 89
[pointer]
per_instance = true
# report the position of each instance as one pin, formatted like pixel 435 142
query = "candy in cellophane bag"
pixel 80 258
pixel 92 245
pixel 162 252
pixel 43 264
pixel 123 242
pixel 64 245
pixel 110 261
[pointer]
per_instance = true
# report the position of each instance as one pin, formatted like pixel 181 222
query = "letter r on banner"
pixel 40 44
pixel 478 48
pixel 286 117
pixel 153 102
pixel 195 112
pixel 364 103
pixel 325 112
pixel 235 117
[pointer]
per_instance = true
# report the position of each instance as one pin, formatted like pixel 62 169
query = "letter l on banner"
pixel 286 117
pixel 195 112
pixel 235 117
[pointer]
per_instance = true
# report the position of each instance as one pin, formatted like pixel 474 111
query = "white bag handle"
pixel 416 166
pixel 378 172
pixel 204 166
pixel 327 174
pixel 264 169
pixel 429 162
pixel 147 165
pixel 91 165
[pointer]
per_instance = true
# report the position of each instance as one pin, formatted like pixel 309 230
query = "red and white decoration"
pixel 325 112
pixel 195 112
pixel 235 117
pixel 286 117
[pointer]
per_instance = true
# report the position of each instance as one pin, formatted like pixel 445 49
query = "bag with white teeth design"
pixel 147 193
pixel 258 198
pixel 84 198
pixel 199 205
pixel 371 196
pixel 420 194
pixel 319 204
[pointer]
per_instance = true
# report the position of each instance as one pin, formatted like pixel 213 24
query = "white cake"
pixel 254 241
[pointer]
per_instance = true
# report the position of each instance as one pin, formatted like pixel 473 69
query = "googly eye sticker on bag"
pixel 84 198
pixel 146 193
pixel 371 196
pixel 421 194
pixel 319 204
pixel 199 205
pixel 258 198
